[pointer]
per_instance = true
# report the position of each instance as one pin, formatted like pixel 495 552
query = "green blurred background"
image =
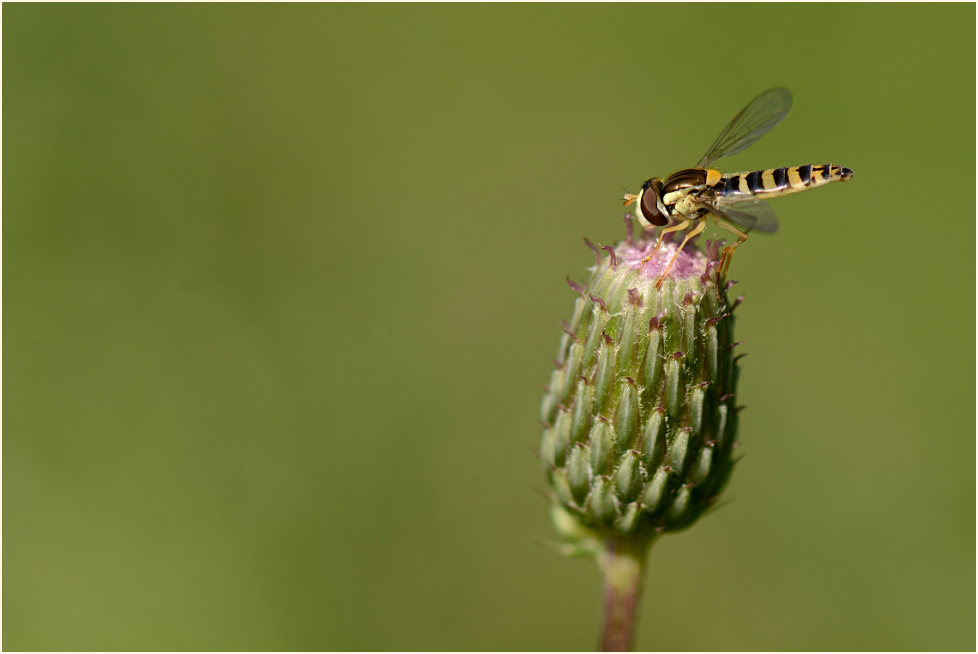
pixel 282 284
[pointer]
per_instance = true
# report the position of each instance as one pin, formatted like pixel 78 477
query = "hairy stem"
pixel 623 565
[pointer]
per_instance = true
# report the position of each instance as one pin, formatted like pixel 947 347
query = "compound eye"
pixel 650 208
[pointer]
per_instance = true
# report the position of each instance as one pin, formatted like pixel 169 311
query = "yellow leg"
pixel 675 228
pixel 728 251
pixel 693 232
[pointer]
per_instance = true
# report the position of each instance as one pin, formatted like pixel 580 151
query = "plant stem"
pixel 623 565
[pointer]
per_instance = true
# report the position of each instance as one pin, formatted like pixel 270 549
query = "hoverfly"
pixel 733 200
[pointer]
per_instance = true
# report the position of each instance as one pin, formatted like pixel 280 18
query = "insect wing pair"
pixel 761 114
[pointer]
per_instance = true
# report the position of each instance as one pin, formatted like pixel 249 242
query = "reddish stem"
pixel 623 565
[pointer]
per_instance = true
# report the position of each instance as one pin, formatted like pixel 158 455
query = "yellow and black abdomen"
pixel 779 181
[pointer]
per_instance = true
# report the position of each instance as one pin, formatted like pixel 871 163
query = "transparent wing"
pixel 750 215
pixel 760 115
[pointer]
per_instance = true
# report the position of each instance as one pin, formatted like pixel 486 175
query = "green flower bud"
pixel 640 415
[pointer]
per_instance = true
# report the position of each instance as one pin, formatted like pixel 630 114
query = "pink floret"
pixel 691 261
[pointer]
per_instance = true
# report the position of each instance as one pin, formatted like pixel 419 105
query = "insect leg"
pixel 675 228
pixel 728 251
pixel 693 232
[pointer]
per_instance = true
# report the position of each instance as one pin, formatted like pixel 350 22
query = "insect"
pixel 733 200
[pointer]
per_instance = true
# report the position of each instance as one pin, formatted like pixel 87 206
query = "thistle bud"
pixel 639 416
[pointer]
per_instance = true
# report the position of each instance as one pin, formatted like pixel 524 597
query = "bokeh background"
pixel 282 284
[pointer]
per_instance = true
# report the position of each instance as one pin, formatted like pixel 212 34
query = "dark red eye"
pixel 650 207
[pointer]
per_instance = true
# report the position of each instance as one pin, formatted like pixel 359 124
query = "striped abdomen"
pixel 780 181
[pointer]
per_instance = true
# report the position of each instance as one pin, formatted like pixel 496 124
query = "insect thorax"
pixel 684 179
pixel 681 187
